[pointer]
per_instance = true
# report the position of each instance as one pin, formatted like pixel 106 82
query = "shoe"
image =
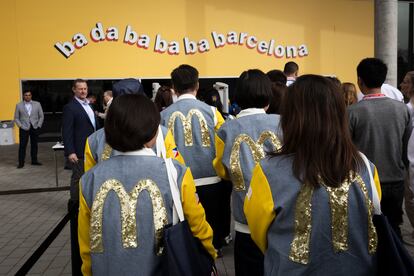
pixel 37 163
pixel 20 166
pixel 228 239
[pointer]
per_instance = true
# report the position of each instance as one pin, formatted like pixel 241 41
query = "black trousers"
pixel 215 199
pixel 77 172
pixel 391 203
pixel 248 259
pixel 74 242
pixel 24 136
pixel 226 203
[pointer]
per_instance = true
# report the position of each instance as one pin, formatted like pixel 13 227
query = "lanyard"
pixel 373 96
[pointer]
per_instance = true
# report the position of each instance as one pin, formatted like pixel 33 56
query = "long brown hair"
pixel 350 93
pixel 315 130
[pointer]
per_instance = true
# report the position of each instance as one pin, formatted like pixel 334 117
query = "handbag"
pixel 184 255
pixel 392 257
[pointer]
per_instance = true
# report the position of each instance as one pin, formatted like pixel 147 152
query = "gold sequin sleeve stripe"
pixel 89 160
pixel 195 215
pixel 259 208
pixel 83 234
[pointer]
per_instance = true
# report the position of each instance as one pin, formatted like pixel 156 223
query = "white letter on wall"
pixel 80 40
pixel 66 49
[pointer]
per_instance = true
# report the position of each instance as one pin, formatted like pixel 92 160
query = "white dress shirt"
pixel 88 109
pixel 28 106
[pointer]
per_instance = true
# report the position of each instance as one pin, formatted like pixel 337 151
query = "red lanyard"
pixel 373 96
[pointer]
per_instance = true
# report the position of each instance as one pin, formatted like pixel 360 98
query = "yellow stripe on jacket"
pixel 259 208
pixel 89 160
pixel 220 120
pixel 83 234
pixel 377 183
pixel 218 160
pixel 171 148
pixel 195 215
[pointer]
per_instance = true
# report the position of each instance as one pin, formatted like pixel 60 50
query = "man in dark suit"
pixel 29 118
pixel 78 123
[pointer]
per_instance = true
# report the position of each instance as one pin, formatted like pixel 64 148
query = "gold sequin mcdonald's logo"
pixel 106 153
pixel 338 201
pixel 128 203
pixel 188 130
pixel 257 151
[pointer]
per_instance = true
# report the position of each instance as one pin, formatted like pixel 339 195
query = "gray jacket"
pixel 380 129
pixel 22 118
pixel 114 257
pixel 255 127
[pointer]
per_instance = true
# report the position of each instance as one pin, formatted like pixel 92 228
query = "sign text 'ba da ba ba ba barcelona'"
pixel 160 45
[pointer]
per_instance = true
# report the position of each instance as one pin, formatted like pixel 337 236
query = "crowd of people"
pixel 289 167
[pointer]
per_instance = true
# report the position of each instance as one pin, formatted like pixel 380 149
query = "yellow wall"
pixel 9 61
pixel 338 34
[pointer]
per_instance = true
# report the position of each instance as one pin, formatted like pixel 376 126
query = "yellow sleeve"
pixel 83 234
pixel 220 120
pixel 195 215
pixel 377 183
pixel 89 160
pixel 259 208
pixel 171 148
pixel 217 162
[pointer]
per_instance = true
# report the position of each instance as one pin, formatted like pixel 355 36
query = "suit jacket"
pixel 22 118
pixel 76 127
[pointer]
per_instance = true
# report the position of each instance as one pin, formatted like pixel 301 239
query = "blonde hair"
pixel 350 93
